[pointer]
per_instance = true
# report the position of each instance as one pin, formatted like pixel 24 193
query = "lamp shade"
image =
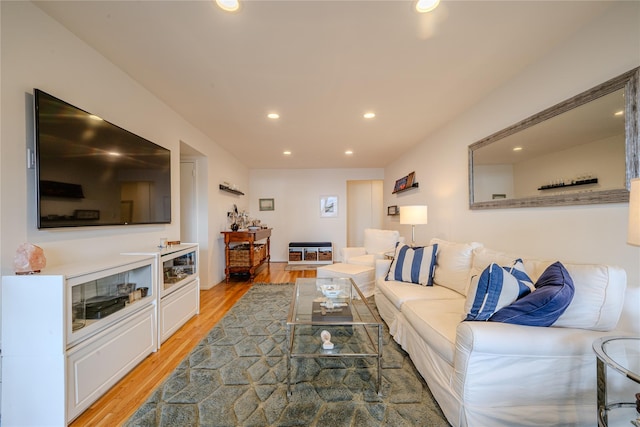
pixel 414 215
pixel 634 213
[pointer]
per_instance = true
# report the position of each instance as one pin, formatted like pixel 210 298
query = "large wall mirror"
pixel 581 151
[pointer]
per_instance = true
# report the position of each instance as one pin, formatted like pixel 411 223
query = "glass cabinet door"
pixel 97 296
pixel 178 269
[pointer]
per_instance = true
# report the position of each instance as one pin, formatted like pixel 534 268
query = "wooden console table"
pixel 251 238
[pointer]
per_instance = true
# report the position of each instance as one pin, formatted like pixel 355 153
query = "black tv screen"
pixel 90 172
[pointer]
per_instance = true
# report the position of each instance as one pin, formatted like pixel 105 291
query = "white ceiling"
pixel 321 65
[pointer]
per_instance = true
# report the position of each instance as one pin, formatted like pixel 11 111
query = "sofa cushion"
pixel 436 323
pixel 598 299
pixel 453 264
pixel 483 256
pixel 413 265
pixel 542 307
pixel 495 288
pixel 400 292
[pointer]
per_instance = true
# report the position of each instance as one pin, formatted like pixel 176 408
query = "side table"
pixel 621 353
pixel 250 264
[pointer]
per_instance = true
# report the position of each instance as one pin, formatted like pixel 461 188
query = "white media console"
pixel 71 332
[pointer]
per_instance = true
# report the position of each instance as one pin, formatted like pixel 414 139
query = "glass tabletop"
pixel 332 301
pixel 620 353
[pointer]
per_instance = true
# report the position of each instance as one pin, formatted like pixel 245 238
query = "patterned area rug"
pixel 237 376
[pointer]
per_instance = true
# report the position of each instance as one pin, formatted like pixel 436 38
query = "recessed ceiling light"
pixel 348 152
pixel 228 5
pixel 369 115
pixel 517 148
pixel 286 153
pixel 424 6
pixel 619 113
pixel 273 116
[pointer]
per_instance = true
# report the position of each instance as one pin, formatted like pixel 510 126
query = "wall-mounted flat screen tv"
pixel 90 172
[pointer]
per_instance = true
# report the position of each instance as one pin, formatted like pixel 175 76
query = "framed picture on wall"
pixel 266 204
pixel 328 206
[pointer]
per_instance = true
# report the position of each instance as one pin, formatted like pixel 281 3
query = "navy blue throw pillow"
pixel 552 295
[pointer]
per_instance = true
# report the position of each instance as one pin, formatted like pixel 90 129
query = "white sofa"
pixel 485 373
pixel 376 244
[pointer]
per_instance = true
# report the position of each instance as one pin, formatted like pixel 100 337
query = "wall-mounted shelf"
pixel 583 182
pixel 414 185
pixel 231 190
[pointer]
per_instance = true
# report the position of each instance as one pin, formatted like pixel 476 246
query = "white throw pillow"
pixel 453 264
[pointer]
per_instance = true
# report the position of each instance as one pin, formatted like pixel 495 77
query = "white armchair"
pixel 376 243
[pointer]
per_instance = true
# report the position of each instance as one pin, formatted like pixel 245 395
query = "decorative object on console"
pixel 29 259
pixel 326 340
pixel 413 215
pixel 633 237
pixel 393 210
pixel 413 264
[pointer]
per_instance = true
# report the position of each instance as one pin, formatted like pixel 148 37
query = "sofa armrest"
pixel 382 268
pixel 351 252
pixel 504 365
pixel 507 339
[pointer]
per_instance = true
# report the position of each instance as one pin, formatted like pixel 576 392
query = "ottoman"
pixel 362 275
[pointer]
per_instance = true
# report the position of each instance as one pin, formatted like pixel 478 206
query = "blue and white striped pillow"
pixel 495 288
pixel 414 265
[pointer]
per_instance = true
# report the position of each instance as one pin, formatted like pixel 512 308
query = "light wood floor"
pixel 121 401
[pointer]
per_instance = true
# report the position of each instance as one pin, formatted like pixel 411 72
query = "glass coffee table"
pixel 622 354
pixel 329 317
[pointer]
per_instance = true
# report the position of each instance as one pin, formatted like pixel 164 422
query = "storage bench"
pixel 310 253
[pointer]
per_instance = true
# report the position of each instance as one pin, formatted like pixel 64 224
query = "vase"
pixel 234 227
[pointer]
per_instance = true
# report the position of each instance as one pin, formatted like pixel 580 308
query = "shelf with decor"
pixel 231 190
pixel 572 184
pixel 405 183
pixel 402 190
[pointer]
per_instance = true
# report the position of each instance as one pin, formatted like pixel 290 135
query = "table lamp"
pixel 413 215
pixel 633 237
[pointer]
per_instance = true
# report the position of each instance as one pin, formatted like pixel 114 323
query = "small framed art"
pixel 266 204
pixel 328 206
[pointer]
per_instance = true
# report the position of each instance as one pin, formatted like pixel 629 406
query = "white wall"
pixel 592 234
pixel 297 193
pixel 39 52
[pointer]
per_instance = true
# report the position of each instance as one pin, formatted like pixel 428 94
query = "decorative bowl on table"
pixel 331 291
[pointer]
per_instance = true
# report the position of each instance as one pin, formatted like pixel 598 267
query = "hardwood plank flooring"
pixel 122 400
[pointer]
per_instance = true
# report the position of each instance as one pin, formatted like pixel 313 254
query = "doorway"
pixel 364 209
pixel 194 206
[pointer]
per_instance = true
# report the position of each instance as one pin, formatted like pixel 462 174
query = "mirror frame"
pixel 628 81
